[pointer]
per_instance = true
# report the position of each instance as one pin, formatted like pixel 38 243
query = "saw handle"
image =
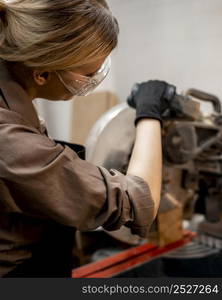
pixel 206 97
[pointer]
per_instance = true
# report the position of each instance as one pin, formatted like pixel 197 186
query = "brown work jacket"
pixel 47 191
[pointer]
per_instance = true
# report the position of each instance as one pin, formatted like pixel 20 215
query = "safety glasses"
pixel 81 85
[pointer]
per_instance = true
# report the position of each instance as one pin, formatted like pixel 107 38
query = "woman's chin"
pixel 68 97
pixel 65 97
pixel 61 97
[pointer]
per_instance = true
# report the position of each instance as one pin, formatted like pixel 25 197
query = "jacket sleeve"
pixel 46 180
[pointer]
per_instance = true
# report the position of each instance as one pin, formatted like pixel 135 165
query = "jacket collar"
pixel 16 98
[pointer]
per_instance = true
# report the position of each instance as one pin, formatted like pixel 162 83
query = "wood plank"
pixel 86 111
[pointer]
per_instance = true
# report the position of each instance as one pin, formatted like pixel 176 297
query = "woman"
pixel 55 50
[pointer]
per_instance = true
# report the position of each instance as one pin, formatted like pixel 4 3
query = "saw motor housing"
pixel 192 156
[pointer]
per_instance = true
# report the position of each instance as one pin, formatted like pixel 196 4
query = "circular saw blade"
pixel 110 144
pixel 112 137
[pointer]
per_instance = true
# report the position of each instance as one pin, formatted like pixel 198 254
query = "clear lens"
pixel 84 84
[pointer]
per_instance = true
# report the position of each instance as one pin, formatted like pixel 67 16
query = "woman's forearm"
pixel 146 159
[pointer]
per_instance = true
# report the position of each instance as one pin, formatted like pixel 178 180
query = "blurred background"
pixel 173 40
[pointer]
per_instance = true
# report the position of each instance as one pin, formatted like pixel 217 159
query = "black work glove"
pixel 151 99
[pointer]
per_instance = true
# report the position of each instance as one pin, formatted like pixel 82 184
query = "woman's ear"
pixel 41 77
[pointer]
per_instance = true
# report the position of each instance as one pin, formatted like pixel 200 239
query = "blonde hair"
pixel 56 34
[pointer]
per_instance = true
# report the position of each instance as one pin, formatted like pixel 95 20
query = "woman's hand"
pixel 150 99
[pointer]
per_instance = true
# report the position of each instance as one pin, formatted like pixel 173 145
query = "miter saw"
pixel 192 151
